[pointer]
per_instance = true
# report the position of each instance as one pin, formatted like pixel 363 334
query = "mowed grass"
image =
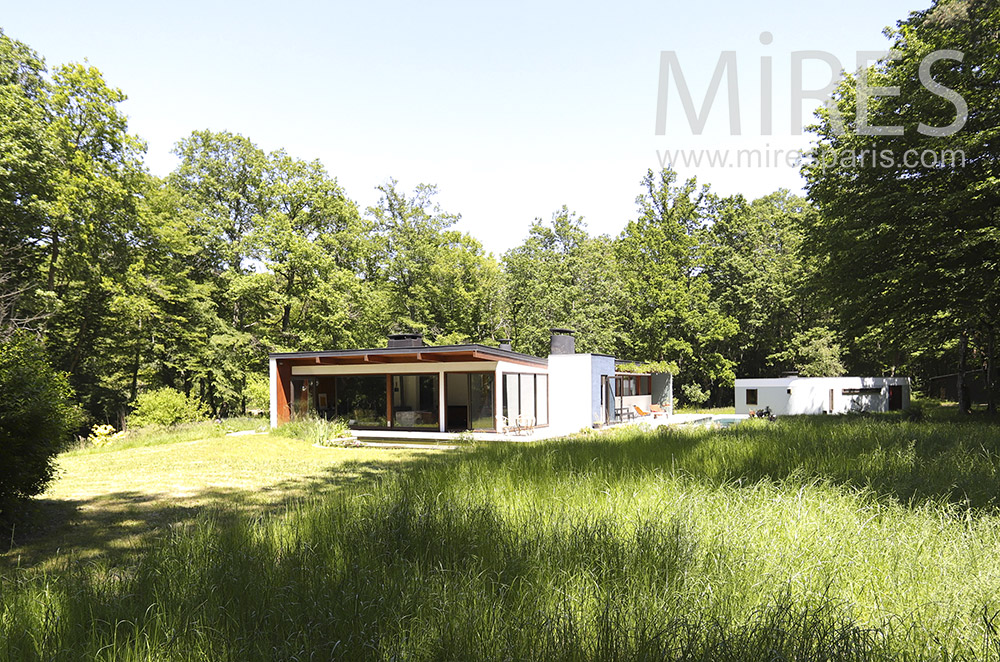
pixel 113 499
pixel 811 539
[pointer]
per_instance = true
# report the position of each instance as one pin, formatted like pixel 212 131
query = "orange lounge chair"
pixel 641 412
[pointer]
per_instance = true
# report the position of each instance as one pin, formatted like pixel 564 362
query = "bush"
pixel 37 418
pixel 318 431
pixel 694 394
pixel 166 406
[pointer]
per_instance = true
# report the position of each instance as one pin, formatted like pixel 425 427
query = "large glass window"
pixel 301 403
pixel 469 404
pixel 361 399
pixel 526 395
pixel 415 401
pixel 629 385
pixel 542 399
pixel 481 408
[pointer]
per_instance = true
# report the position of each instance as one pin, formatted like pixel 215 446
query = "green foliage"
pixel 318 431
pixel 648 368
pixel 814 352
pixel 906 241
pixel 102 435
pixel 760 276
pixel 258 392
pixel 37 418
pixel 561 277
pixel 166 406
pixel 694 394
pixel 668 310
pixel 435 280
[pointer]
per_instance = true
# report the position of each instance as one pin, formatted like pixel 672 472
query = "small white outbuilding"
pixel 822 395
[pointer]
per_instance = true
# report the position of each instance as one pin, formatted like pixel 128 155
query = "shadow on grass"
pixel 911 463
pixel 54 531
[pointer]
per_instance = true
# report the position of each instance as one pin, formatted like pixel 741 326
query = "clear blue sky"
pixel 513 109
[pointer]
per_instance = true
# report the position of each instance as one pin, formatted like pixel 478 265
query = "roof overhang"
pixel 409 355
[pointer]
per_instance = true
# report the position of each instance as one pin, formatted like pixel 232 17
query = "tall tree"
pixel 562 277
pixel 669 311
pixel 908 223
pixel 761 278
pixel 436 280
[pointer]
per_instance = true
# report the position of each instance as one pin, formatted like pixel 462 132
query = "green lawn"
pixel 821 538
pixel 111 499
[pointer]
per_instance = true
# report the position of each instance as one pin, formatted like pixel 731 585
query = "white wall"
pixel 570 392
pixel 811 395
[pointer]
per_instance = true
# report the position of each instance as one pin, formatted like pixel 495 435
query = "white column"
pixel 498 387
pixel 442 398
pixel 274 392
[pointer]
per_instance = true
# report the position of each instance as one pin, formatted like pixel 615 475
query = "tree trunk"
pixel 964 406
pixel 286 313
pixel 991 372
pixel 53 258
pixel 134 387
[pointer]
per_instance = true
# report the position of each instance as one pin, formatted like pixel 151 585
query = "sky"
pixel 512 109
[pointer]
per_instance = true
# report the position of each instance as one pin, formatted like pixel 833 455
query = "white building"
pixel 409 386
pixel 822 395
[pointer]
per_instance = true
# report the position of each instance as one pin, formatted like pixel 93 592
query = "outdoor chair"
pixel 657 410
pixel 639 410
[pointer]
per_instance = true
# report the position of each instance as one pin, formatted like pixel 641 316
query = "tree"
pixel 908 223
pixel 562 277
pixel 26 163
pixel 761 278
pixel 435 280
pixel 669 311
pixel 37 417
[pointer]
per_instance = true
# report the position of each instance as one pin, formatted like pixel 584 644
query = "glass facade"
pixel 469 402
pixel 361 400
pixel 526 395
pixel 415 401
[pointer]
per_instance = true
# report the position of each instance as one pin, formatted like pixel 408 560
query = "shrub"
pixel 37 418
pixel 318 431
pixel 166 406
pixel 694 394
pixel 258 392
pixel 102 435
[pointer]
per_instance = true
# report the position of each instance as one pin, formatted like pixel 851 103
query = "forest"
pixel 127 282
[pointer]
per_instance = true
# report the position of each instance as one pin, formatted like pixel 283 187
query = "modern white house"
pixel 822 395
pixel 412 387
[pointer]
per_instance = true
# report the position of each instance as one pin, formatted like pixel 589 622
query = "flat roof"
pixel 422 354
pixel 788 381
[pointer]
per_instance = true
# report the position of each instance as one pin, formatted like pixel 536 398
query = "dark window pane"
pixel 361 400
pixel 481 416
pixel 415 401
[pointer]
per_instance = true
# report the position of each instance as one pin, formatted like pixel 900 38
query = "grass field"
pixel 813 539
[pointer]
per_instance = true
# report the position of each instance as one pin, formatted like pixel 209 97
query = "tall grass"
pixel 805 540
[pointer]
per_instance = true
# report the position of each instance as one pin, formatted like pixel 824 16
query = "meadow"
pixel 847 538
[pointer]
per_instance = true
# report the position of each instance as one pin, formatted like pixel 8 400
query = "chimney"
pixel 562 342
pixel 406 340
pixel 505 345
